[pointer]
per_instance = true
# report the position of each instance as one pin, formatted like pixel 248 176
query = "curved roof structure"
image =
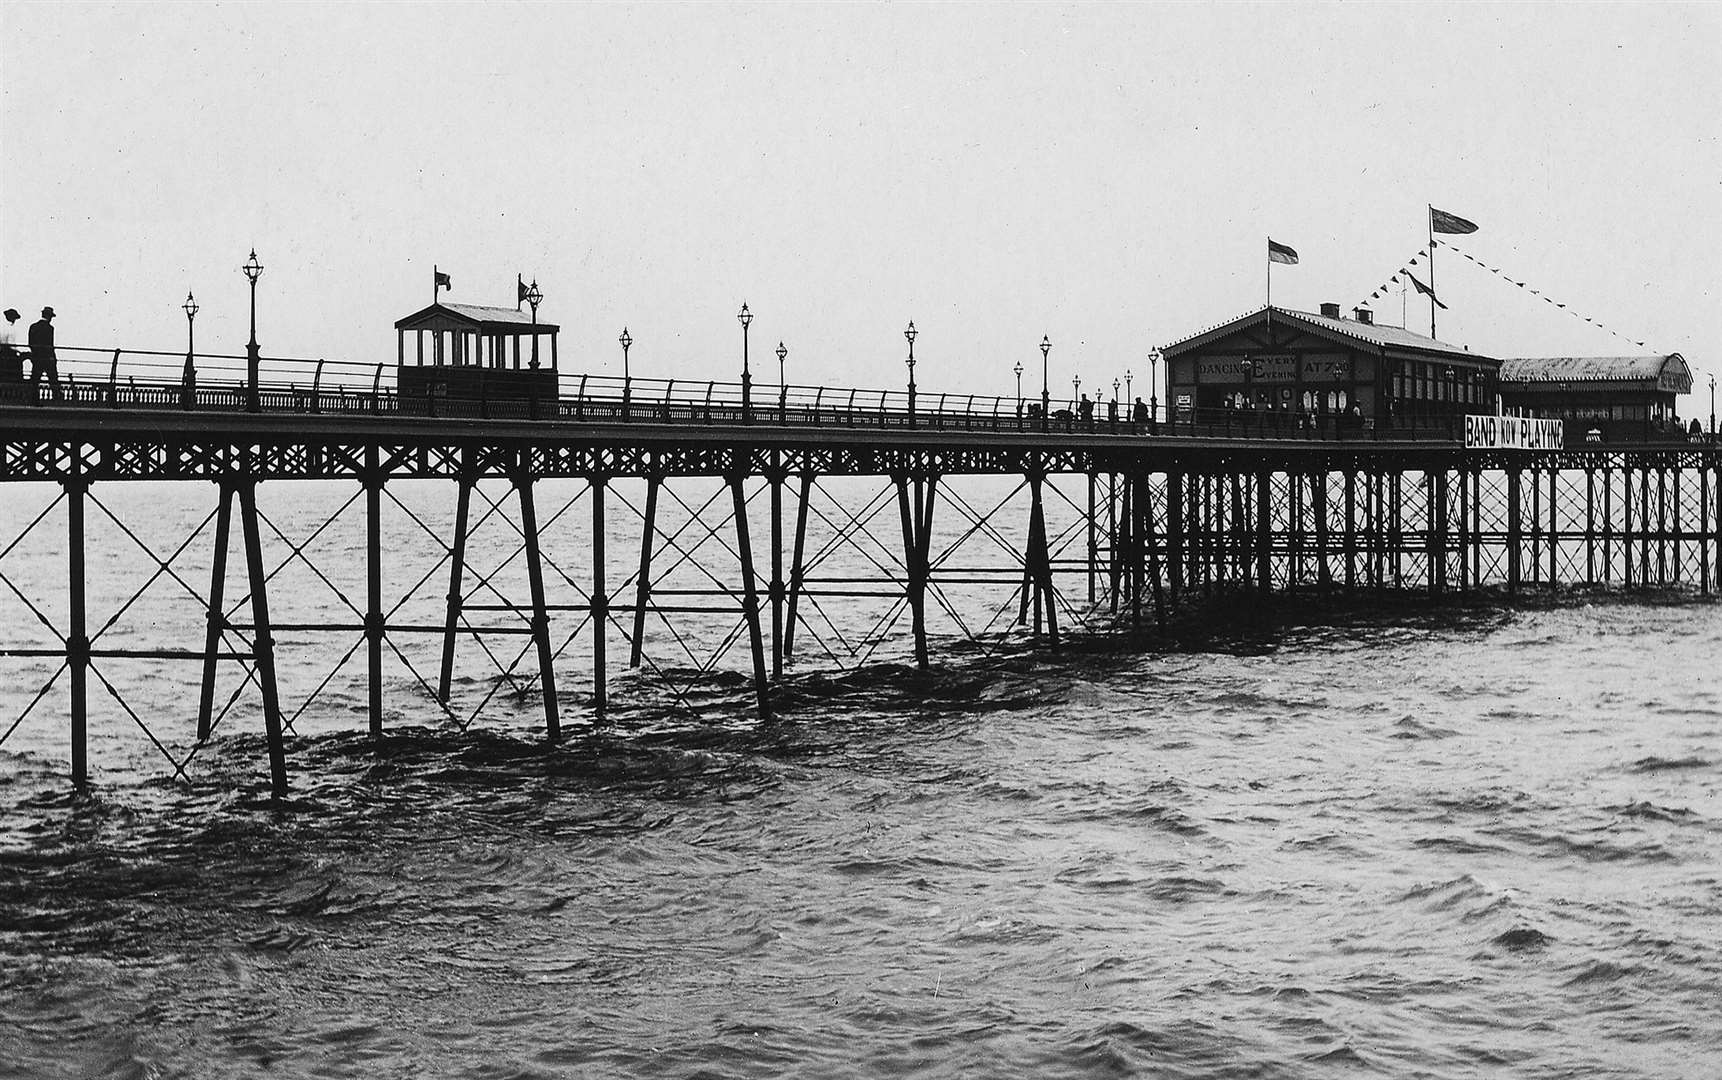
pixel 1599 373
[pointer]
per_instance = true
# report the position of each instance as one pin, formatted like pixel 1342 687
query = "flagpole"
pixel 1432 293
pixel 1270 303
pixel 434 294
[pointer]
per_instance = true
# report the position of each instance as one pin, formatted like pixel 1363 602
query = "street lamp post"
pixel 1018 370
pixel 1153 387
pixel 782 387
pixel 188 381
pixel 534 297
pixel 1128 396
pixel 1712 408
pixel 910 334
pixel 627 379
pixel 253 270
pixel 746 318
pixel 1076 397
pixel 1045 397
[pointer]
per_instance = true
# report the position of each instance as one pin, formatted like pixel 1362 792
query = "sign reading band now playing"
pixel 1512 433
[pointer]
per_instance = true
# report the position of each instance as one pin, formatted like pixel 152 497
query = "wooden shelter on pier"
pixel 475 352
pixel 1323 366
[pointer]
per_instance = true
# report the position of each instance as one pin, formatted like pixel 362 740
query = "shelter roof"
pixel 1667 372
pixel 1385 338
pixel 491 320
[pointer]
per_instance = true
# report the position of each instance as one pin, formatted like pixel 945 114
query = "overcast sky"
pixel 1104 174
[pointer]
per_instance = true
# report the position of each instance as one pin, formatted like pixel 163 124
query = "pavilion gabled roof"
pixel 478 317
pixel 1393 339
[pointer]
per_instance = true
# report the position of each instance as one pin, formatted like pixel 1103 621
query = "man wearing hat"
pixel 11 363
pixel 42 358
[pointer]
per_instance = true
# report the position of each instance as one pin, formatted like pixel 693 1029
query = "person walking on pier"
pixel 11 363
pixel 43 360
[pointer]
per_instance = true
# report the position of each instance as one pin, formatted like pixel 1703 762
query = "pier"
pixel 1110 526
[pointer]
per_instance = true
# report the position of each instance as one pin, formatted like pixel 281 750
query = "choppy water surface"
pixel 1479 844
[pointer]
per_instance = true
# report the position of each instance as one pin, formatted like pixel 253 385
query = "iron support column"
pixel 1093 540
pixel 1264 532
pixel 535 581
pixel 216 618
pixel 373 482
pixel 750 595
pixel 797 568
pixel 1515 529
pixel 1174 531
pixel 643 586
pixel 600 600
pixel 77 637
pixel 263 642
pixel 456 568
pixel 776 587
pixel 1350 529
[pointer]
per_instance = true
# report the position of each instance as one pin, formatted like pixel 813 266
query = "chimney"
pixel 1364 316
pixel 1330 311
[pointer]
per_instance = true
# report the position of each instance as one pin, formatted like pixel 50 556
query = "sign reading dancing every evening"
pixel 1512 433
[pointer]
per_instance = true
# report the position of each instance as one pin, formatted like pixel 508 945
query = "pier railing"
pixel 146 379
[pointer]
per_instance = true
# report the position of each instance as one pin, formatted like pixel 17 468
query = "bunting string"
pixel 1399 278
pixel 1546 298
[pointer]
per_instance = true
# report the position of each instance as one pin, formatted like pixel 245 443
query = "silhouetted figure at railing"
pixel 11 360
pixel 1087 411
pixel 43 361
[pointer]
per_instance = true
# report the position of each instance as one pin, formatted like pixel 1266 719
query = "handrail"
pixel 139 378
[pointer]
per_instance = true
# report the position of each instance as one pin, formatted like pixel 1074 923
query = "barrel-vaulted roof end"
pixel 1668 372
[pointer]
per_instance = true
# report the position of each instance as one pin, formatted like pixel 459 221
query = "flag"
pixel 442 280
pixel 1280 253
pixel 1426 291
pixel 520 291
pixel 1442 222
